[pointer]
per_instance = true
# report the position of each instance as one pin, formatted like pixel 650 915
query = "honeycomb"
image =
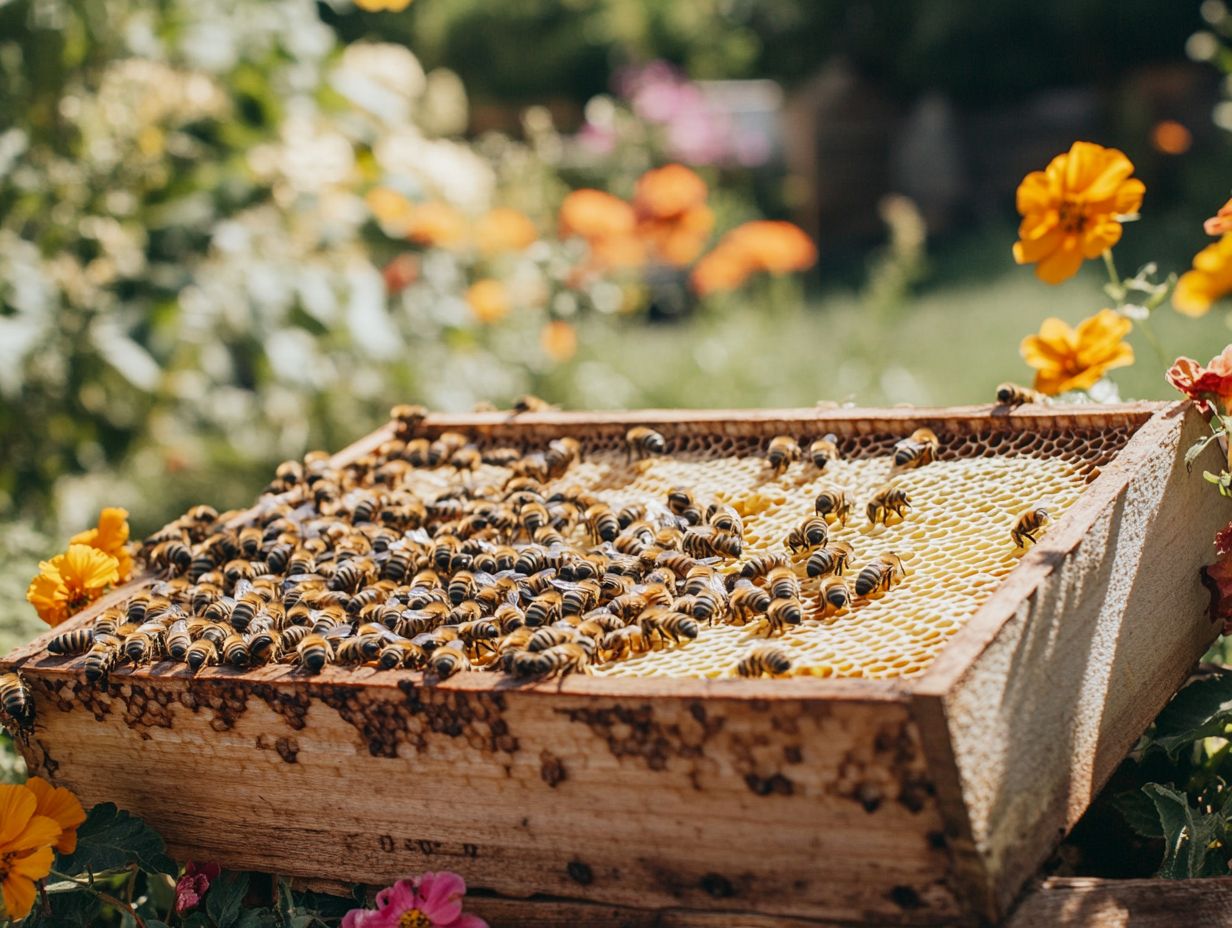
pixel 954 540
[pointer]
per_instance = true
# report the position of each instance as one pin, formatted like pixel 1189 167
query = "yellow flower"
pixel 488 300
pixel 71 581
pixel 503 229
pixel 26 840
pixel 1074 359
pixel 377 6
pixel 559 340
pixel 1210 279
pixel 111 537
pixel 62 807
pixel 1072 210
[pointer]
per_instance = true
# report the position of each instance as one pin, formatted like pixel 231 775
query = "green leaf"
pixel 198 920
pixel 1187 834
pixel 324 905
pixel 1201 710
pixel 1138 810
pixel 1196 449
pixel 111 838
pixel 224 898
pixel 68 910
pixel 257 918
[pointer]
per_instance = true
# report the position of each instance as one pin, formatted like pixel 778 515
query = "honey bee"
pixel 449 660
pixel 462 586
pixel 549 637
pixel 781 453
pixel 706 542
pixel 528 402
pixel 467 458
pixel 665 625
pixel 880 574
pixel 71 643
pixel 681 502
pixel 622 642
pixel 177 640
pixel 576 598
pixel 748 601
pixel 479 633
pixel 782 613
pixel 171 558
pixel 783 583
pixel 1011 394
pixel 762 564
pixel 202 653
pixel 406 419
pixel 602 522
pixel 641 442
pixel 634 512
pixel 398 654
pixel 314 652
pixel 501 457
pixel 831 559
pixel 559 661
pixel 834 594
pixel 143 645
pixel 639 599
pixel 917 450
pixel 824 450
pixel 887 501
pixel 16 699
pixel 764 661
pixel 811 533
pixel 562 453
pixel 264 647
pixel 100 660
pixel 544 609
pixel 833 506
pixel 235 652
pixel 1028 524
pixel 725 519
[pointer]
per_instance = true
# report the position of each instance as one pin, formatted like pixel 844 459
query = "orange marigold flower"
pixel 667 192
pixel 488 300
pixel 1202 384
pixel 593 214
pixel 378 6
pixel 391 209
pixel 110 537
pixel 722 270
pixel 504 229
pixel 679 240
pixel 558 340
pixel 26 840
pixel 62 807
pixel 1075 359
pixel 71 581
pixel 1221 222
pixel 438 225
pixel 1072 210
pixel 774 246
pixel 617 251
pixel 1210 279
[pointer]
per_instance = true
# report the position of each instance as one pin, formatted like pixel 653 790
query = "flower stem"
pixel 1114 278
pixel 1117 289
pixel 104 897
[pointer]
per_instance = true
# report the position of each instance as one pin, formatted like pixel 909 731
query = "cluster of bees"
pixel 347 565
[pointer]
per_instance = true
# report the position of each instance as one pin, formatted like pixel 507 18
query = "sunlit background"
pixel 234 230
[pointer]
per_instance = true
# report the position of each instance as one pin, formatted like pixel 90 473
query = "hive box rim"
pixel 942 673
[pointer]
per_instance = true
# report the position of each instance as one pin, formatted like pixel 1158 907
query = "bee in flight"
pixel 1011 394
pixel 824 450
pixel 879 575
pixel 887 501
pixel 1028 525
pixel 918 449
pixel 781 453
pixel 765 660
pixel 641 442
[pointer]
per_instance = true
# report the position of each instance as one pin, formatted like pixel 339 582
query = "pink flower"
pixel 192 885
pixel 433 900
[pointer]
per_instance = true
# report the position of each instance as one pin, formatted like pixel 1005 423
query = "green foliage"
pixel 111 838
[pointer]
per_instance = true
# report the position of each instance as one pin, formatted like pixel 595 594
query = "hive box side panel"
pixel 1091 637
pixel 794 807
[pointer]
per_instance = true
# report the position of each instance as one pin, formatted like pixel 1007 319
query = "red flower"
pixel 192 885
pixel 1223 540
pixel 1203 384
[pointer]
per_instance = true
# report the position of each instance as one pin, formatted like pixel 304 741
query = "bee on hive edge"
pixel 407 418
pixel 100 660
pixel 235 652
pixel 449 660
pixel 16 699
pixel 917 450
pixel 833 506
pixel 314 652
pixel 781 453
pixel 528 402
pixel 824 450
pixel 641 442
pixel 401 654
pixel 1028 525
pixel 202 653
pixel 559 661
pixel 887 501
pixel 878 576
pixel 1011 394
pixel 71 643
pixel 764 661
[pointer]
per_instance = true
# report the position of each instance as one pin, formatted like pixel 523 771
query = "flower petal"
pixel 17 805
pixel 60 805
pixel 440 896
pixel 1062 264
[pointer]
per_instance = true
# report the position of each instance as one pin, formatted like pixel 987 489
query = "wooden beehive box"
pixel 638 801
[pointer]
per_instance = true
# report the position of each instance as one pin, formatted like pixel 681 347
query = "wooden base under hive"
pixel 921 800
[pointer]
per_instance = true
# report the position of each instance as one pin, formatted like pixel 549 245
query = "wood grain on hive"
pixel 926 797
